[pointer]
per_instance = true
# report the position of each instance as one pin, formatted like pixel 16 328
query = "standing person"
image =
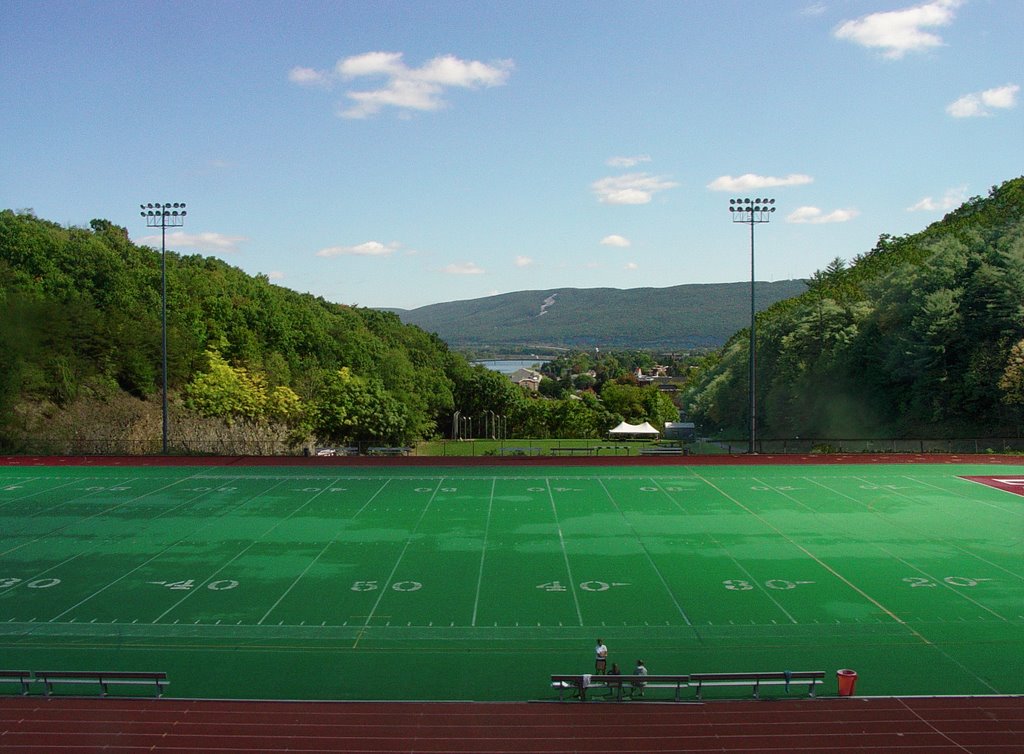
pixel 638 686
pixel 600 657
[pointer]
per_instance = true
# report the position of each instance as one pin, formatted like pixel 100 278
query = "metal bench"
pixel 661 451
pixel 388 451
pixel 105 679
pixel 757 680
pixel 21 677
pixel 617 685
pixel 579 685
pixel 517 451
pixel 614 448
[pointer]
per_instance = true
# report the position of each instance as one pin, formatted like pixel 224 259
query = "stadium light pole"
pixel 164 215
pixel 752 212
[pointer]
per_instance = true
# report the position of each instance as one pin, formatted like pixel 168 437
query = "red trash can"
pixel 847 680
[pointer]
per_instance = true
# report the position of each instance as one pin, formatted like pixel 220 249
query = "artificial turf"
pixel 478 583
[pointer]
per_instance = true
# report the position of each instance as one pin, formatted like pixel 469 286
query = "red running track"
pixel 937 725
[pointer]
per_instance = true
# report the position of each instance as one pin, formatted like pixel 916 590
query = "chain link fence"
pixel 254 446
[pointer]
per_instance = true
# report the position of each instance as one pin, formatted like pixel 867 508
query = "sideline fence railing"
pixel 516 447
pixel 803 446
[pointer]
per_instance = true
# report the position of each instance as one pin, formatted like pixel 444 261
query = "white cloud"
pixel 308 77
pixel 1001 96
pixel 898 32
pixel 214 242
pixel 614 240
pixel 275 275
pixel 952 199
pixel 370 64
pixel 814 9
pixel 630 188
pixel 463 268
pixel 522 261
pixel 814 216
pixel 405 88
pixel 749 181
pixel 367 249
pixel 979 104
pixel 631 266
pixel 628 162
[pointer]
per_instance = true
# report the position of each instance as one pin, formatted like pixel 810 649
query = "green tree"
pixel 351 409
pixel 478 389
pixel 1011 382
pixel 229 393
pixel 639 404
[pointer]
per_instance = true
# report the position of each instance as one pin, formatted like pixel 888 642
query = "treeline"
pixel 921 336
pixel 252 366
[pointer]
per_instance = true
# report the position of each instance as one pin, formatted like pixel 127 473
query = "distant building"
pixel 528 378
pixel 657 371
pixel 685 431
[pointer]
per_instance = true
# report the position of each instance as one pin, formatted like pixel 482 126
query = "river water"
pixel 508 366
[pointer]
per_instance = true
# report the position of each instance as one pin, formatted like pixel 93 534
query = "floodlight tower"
pixel 164 215
pixel 752 212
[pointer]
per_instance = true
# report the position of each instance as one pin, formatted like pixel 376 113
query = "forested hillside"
pixel 80 351
pixel 921 336
pixel 253 367
pixel 679 317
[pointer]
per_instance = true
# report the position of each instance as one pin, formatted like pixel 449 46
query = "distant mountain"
pixel 682 316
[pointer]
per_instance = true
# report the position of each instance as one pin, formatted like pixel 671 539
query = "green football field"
pixel 479 583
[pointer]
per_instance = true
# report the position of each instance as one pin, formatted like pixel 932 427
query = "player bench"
pixel 388 451
pixel 613 448
pixel 572 451
pixel 22 677
pixel 661 451
pixel 617 685
pixel 756 680
pixel 105 679
pixel 346 451
pixel 524 451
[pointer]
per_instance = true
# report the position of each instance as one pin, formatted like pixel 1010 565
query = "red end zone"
pixel 1014 484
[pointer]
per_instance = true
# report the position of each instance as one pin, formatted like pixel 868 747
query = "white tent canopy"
pixel 634 429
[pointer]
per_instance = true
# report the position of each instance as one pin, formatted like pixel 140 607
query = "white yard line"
pixel 1013 511
pixel 938 581
pixel 753 580
pixel 11 484
pixel 211 577
pixel 953 544
pixel 70 523
pixel 319 555
pixel 947 656
pixel 103 512
pixel 483 551
pixel 883 608
pixel 141 565
pixel 565 555
pixel 647 553
pixel 398 562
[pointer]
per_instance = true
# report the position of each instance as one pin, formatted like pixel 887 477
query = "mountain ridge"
pixel 692 315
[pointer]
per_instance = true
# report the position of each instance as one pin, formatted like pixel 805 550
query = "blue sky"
pixel 408 153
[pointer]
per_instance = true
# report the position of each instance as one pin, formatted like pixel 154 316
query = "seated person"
pixel 638 686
